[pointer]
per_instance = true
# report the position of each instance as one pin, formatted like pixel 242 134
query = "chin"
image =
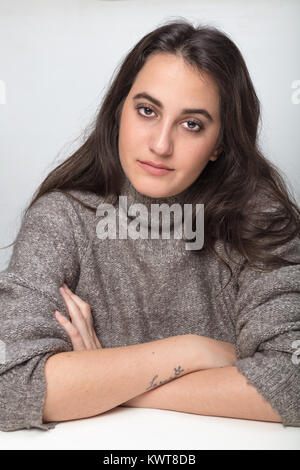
pixel 145 189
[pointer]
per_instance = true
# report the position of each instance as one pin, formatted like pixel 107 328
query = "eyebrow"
pixel 146 96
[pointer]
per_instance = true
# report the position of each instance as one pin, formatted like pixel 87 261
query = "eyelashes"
pixel 198 123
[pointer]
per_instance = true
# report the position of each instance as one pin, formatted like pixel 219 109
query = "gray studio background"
pixel 57 58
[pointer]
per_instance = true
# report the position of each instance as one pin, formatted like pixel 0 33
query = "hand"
pixel 81 329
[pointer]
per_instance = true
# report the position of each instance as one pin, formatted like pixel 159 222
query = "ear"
pixel 215 155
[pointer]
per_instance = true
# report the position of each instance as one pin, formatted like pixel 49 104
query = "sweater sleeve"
pixel 267 322
pixel 47 253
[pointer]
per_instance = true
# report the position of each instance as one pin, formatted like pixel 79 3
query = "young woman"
pixel 143 321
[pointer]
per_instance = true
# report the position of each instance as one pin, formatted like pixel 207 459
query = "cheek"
pixel 195 153
pixel 194 159
pixel 195 165
pixel 131 134
pixel 200 148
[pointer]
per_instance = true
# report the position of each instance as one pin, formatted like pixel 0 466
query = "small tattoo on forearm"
pixel 177 371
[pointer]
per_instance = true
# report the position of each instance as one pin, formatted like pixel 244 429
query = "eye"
pixel 190 121
pixel 144 107
pixel 200 126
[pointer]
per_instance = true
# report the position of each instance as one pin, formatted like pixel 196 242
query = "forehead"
pixel 166 76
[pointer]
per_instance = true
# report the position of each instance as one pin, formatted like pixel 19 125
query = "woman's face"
pixel 161 132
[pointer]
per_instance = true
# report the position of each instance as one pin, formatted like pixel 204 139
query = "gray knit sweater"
pixel 139 290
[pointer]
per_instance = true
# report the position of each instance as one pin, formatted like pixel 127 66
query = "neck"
pixel 134 197
pixel 128 189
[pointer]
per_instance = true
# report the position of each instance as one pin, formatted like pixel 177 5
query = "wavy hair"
pixel 228 186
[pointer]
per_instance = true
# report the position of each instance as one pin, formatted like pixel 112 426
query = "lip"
pixel 154 170
pixel 156 165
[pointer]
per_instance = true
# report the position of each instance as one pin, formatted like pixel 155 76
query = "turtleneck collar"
pixel 134 197
pixel 127 189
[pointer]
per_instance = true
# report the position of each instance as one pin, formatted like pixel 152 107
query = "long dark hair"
pixel 227 187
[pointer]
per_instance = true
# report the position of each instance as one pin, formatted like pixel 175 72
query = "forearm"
pixel 212 392
pixel 85 383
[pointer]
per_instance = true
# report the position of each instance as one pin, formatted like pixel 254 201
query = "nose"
pixel 161 141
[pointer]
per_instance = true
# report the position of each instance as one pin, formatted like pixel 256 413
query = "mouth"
pixel 154 170
pixel 155 165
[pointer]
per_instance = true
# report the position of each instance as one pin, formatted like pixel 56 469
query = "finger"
pixel 83 306
pixel 98 344
pixel 77 319
pixel 72 332
pixel 86 312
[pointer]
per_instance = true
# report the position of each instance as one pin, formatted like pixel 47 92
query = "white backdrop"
pixel 57 58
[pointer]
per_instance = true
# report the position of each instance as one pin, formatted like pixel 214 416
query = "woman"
pixel 140 307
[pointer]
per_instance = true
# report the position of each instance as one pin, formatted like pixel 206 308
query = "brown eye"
pixel 144 107
pixel 196 123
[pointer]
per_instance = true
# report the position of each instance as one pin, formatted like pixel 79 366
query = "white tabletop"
pixel 145 428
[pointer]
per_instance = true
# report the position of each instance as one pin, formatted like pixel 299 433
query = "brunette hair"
pixel 233 187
